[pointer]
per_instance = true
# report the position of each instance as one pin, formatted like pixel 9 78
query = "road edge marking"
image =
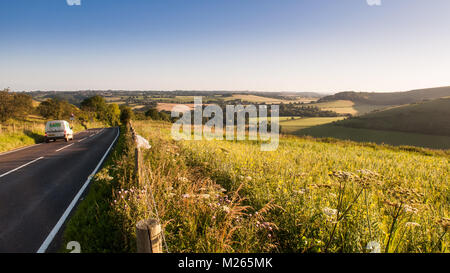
pixel 72 204
pixel 20 167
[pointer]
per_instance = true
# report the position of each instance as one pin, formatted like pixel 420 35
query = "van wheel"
pixel 66 139
pixel 47 140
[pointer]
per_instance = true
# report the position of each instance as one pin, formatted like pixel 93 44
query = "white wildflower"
pixel 373 247
pixel 329 211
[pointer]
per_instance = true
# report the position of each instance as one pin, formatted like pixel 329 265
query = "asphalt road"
pixel 40 184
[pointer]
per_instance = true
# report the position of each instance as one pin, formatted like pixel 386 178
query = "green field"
pixel 348 107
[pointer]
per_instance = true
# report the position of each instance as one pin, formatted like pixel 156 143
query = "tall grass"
pixel 314 196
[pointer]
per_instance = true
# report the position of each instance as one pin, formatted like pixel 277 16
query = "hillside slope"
pixel 391 98
pixel 430 117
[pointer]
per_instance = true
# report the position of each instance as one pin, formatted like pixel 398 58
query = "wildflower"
pixel 183 179
pixel 226 209
pixel 186 195
pixel 204 196
pixel 410 209
pixel 344 176
pixel 329 211
pixel 412 224
pixel 373 247
pixel 248 178
pixel 301 191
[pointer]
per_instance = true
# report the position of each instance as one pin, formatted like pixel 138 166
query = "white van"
pixel 58 129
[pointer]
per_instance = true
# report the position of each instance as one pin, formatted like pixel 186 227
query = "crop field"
pixel 348 107
pixel 307 196
pixel 260 99
pixel 290 126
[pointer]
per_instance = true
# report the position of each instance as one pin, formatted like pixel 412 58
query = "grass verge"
pixel 95 224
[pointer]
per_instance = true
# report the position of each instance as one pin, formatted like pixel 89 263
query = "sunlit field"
pixel 307 196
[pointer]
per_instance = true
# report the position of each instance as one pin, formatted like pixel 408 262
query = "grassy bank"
pixel 95 224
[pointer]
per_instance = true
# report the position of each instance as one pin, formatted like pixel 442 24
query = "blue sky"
pixel 267 45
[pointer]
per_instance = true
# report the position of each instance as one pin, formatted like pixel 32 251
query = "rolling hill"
pixel 391 98
pixel 431 117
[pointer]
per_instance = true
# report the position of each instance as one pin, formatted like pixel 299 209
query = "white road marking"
pixel 22 166
pixel 81 139
pixel 64 147
pixel 72 204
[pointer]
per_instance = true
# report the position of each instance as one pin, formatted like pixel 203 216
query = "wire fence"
pixel 142 177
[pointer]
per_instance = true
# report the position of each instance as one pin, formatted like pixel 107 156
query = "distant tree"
pixel 56 109
pixel 152 113
pixel 97 107
pixel 14 105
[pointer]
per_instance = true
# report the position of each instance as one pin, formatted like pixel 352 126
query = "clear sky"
pixel 267 45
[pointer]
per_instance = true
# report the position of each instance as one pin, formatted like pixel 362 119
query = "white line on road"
pixel 82 139
pixel 64 147
pixel 72 204
pixel 22 166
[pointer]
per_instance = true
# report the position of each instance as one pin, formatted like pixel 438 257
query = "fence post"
pixel 148 236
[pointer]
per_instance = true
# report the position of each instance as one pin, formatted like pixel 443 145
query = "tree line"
pixel 19 105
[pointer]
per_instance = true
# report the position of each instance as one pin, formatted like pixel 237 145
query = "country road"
pixel 40 184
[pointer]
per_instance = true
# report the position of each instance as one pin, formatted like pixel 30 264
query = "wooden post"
pixel 148 236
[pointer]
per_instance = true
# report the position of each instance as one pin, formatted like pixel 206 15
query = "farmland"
pixel 294 124
pixel 307 196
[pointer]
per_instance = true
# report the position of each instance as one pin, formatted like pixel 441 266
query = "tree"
pixel 14 105
pixel 113 114
pixel 126 114
pixel 97 106
pixel 152 113
pixel 56 109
